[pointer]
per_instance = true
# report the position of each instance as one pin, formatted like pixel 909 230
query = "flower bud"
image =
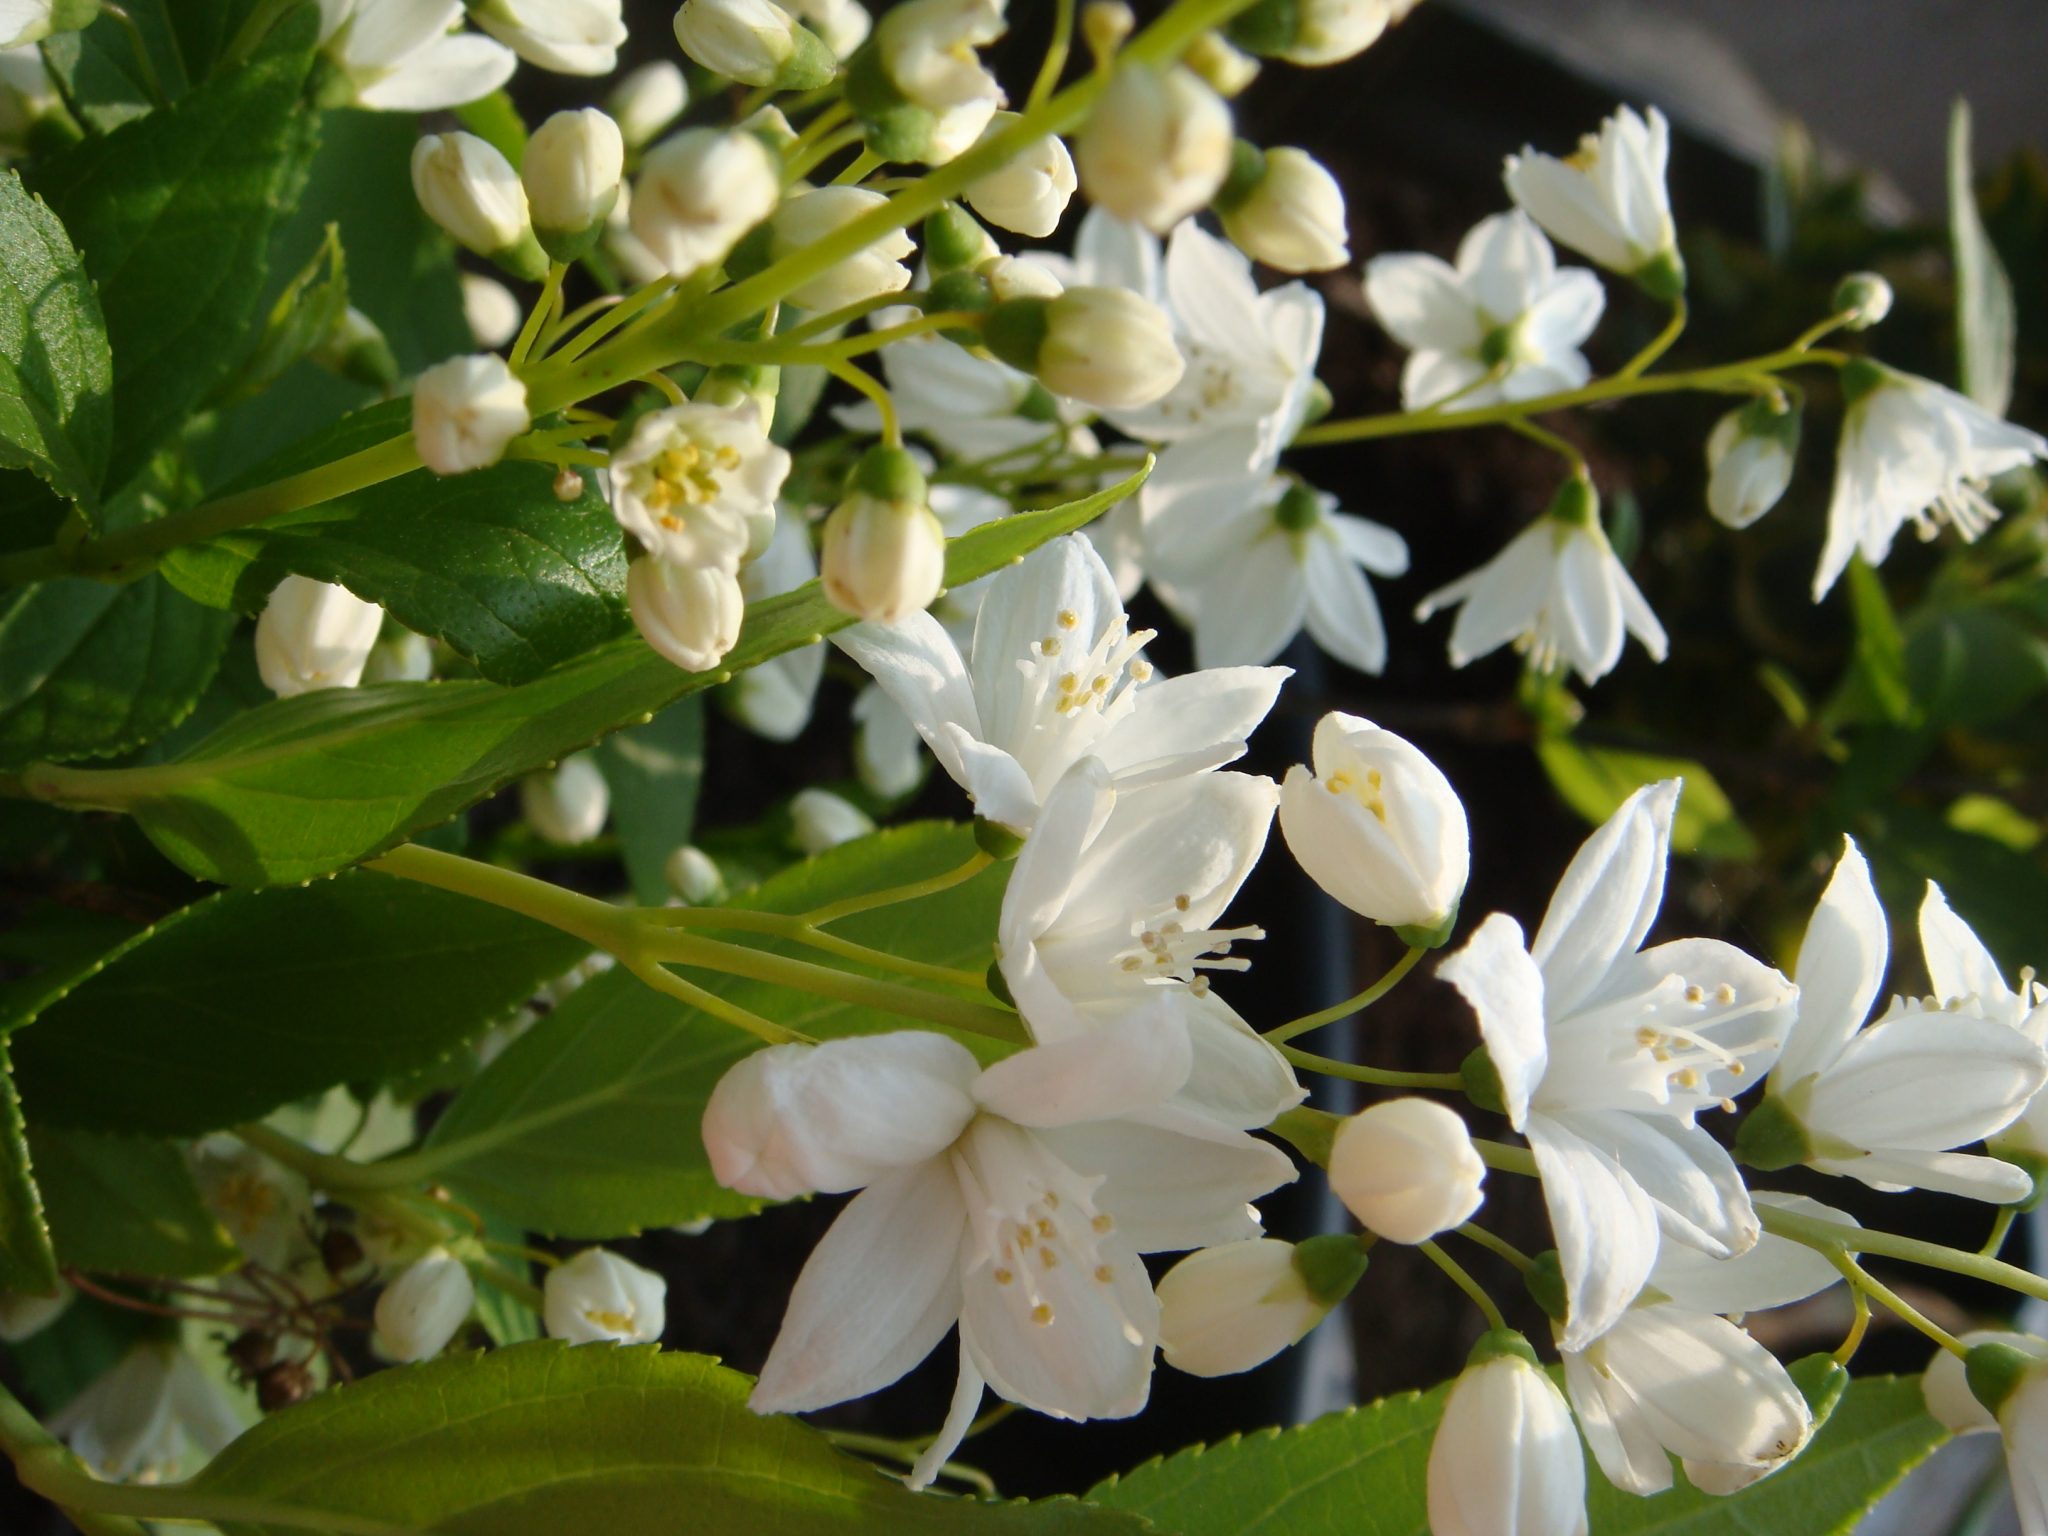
pixel 312 635
pixel 1946 1388
pixel 843 24
pixel 1406 1169
pixel 924 53
pixel 23 1315
pixel 1105 347
pixel 420 1311
pixel 1019 277
pixel 693 876
pixel 954 242
pixel 820 819
pixel 690 614
pixel 1156 147
pixel 465 411
pixel 571 174
pixel 1506 1459
pixel 770 124
pixel 1864 299
pixel 698 193
pixel 490 310
pixel 569 805
pixel 472 192
pixel 1027 195
pixel 1227 70
pixel 647 100
pixel 884 550
pixel 570 37
pixel 600 1298
pixel 1316 31
pixel 404 658
pixel 1233 1308
pixel 812 216
pixel 1377 825
pixel 755 42
pixel 1282 208
pixel 1750 456
pixel 357 351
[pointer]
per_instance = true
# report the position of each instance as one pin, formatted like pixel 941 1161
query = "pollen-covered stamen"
pixel 1169 951
pixel 1066 680
pixel 1686 1052
pixel 1964 505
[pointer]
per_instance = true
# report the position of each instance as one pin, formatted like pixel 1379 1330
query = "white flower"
pixel 1157 146
pixel 820 819
pixel 23 1314
pixel 1291 217
pixel 1014 1201
pixel 694 877
pixel 1107 347
pixel 884 550
pixel 1776 1272
pixel 400 56
pixel 698 192
pixel 599 1298
pixel 888 754
pixel 1946 1389
pixel 404 658
pixel 2023 1422
pixel 843 24
pixel 810 217
pixel 1966 975
pixel 1232 1308
pixel 1054 675
pixel 755 42
pixel 1406 1169
pixel 1888 1104
pixel 154 1417
pixel 313 635
pixel 1607 1051
pixel 1248 559
pixel 968 404
pixel 1914 452
pixel 1556 592
pixel 419 1312
pixel 571 37
pixel 774 699
pixel 466 411
pixel 25 22
pixel 1505 315
pixel 696 484
pixel 1750 458
pixel 265 1207
pixel 1028 193
pixel 569 804
pixel 571 174
pixel 1377 825
pixel 954 131
pixel 472 192
pixel 490 310
pixel 1666 1381
pixel 926 48
pixel 1506 1459
pixel 1608 201
pixel 690 614
pixel 647 100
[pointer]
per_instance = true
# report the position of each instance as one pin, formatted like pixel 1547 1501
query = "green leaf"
pixel 126 1205
pixel 245 1001
pixel 100 74
pixel 587 1125
pixel 173 213
pixel 1986 319
pixel 27 1261
pixel 492 562
pixel 1999 892
pixel 89 670
pixel 56 373
pixel 1876 688
pixel 1595 780
pixel 1363 1473
pixel 303 786
pixel 655 771
pixel 544 1438
pixel 304 315
pixel 1973 666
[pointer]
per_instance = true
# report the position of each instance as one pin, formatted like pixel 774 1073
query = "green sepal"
pixel 953 240
pixel 1039 404
pixel 2036 1168
pixel 1545 1282
pixel 889 474
pixel 1662 277
pixel 1496 1342
pixel 1772 416
pixel 1309 1131
pixel 1772 1137
pixel 1016 329
pixel 1297 510
pixel 567 245
pixel 1994 1371
pixel 1576 504
pixel 1320 403
pixel 1247 170
pixel 999 985
pixel 810 65
pixel 1330 1265
pixel 523 259
pixel 1267 28
pixel 1482 1081
pixel 996 840
pixel 1862 378
pixel 1821 1380
pixel 1430 935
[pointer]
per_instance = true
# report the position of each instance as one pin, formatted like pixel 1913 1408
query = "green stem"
pixel 1506 1159
pixel 47 1467
pixel 1465 1283
pixel 669 984
pixel 831 912
pixel 869 385
pixel 1056 53
pixel 1859 1325
pixel 1329 1066
pixel 861 164
pixel 1896 1304
pixel 1661 343
pixel 1816 1232
pixel 598 923
pixel 144 63
pixel 2001 1226
pixel 521 1290
pixel 811 156
pixel 537 318
pixel 1351 1005
pixel 1545 438
pixel 1498 1246
pixel 906 1453
pixel 789 353
pixel 796 930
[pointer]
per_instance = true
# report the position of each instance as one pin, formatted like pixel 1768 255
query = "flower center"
pixel 611 1322
pixel 1365 786
pixel 684 474
pixel 1168 951
pixel 1060 676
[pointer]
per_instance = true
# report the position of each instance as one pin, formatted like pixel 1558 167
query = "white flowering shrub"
pixel 374 975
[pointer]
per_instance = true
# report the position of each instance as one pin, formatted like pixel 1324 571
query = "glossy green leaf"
pixel 27 1260
pixel 304 786
pixel 126 1205
pixel 1986 318
pixel 544 1438
pixel 89 670
pixel 245 1001
pixel 655 771
pixel 1595 780
pixel 56 373
pixel 587 1125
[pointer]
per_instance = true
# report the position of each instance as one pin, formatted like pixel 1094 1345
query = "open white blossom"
pixel 1503 323
pixel 598 1297
pixel 1608 201
pixel 401 56
pixel 312 634
pixel 466 411
pixel 154 1417
pixel 696 484
pixel 1607 1052
pixel 1966 975
pixel 1054 674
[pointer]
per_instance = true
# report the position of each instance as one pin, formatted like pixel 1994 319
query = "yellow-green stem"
pixel 831 912
pixel 1350 1005
pixel 1464 1282
pixel 1329 1066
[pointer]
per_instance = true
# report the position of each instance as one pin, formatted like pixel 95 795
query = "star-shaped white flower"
pixel 1609 201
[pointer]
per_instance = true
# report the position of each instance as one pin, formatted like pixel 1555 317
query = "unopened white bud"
pixel 755 42
pixel 490 310
pixel 1289 213
pixel 466 411
pixel 23 1315
pixel 1950 1402
pixel 771 125
pixel 1019 277
pixel 698 193
pixel 690 614
pixel 926 50
pixel 693 876
pixel 1750 457
pixel 570 37
pixel 1027 195
pixel 1232 1308
pixel 1864 299
pixel 571 173
pixel 313 635
pixel 884 554
pixel 1104 26
pixel 1105 347
pixel 820 819
pixel 404 658
pixel 420 1311
pixel 599 1298
pixel 843 24
pixel 1406 1169
pixel 1227 69
pixel 357 351
pixel 812 216
pixel 647 100
pixel 472 192
pixel 1506 1460
pixel 1316 31
pixel 1156 147
pixel 1377 825
pixel 567 806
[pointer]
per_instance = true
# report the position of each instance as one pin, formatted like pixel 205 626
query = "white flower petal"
pixel 1604 1224
pixel 1607 899
pixel 1505 988
pixel 1841 966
